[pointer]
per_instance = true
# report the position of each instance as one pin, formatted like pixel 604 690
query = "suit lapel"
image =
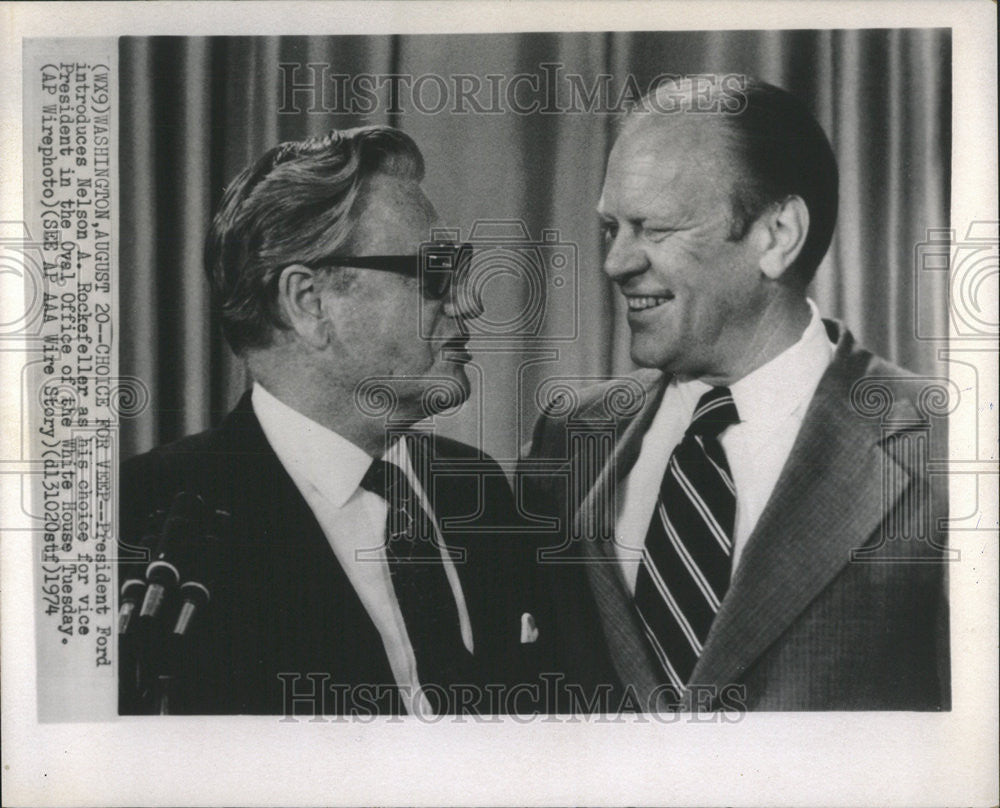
pixel 630 652
pixel 629 432
pixel 805 535
pixel 272 500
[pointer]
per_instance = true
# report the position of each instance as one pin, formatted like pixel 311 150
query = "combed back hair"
pixel 780 150
pixel 292 206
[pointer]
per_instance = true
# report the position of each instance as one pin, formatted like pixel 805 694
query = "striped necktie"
pixel 687 558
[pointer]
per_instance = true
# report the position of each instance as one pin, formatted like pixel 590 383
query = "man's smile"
pixel 637 303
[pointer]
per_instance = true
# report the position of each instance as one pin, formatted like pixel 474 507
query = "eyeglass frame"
pixel 410 266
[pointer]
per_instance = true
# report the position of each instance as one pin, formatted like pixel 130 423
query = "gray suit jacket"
pixel 840 599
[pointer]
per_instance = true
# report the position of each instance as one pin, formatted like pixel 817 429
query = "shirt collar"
pixel 311 452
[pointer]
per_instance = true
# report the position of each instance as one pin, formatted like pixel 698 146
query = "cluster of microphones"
pixel 160 605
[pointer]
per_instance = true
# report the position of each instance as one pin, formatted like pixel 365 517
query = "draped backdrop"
pixel 195 110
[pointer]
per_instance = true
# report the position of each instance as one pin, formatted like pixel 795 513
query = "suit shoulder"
pixel 853 362
pixel 179 452
pixel 638 382
pixel 200 462
pixel 879 367
pixel 607 400
pixel 451 449
pixel 875 375
pixel 603 399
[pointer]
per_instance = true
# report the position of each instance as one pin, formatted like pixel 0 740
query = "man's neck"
pixel 780 327
pixel 340 416
pixel 330 406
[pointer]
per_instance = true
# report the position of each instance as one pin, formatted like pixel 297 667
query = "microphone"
pixel 132 593
pixel 195 596
pixel 196 591
pixel 179 529
pixel 134 588
pixel 156 657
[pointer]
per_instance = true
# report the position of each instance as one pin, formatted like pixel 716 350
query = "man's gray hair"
pixel 293 205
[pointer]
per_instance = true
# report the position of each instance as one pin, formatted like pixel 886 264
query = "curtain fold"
pixel 195 110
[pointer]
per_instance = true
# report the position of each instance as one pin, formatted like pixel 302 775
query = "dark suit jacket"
pixel 283 608
pixel 840 599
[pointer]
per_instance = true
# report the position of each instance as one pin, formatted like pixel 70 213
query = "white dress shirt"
pixel 327 469
pixel 771 402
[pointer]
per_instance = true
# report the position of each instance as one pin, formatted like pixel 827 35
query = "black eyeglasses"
pixel 437 265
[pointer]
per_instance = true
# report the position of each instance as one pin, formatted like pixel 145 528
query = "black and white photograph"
pixel 492 388
pixel 561 242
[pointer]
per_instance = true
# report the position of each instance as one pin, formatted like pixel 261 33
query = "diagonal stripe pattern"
pixel 687 558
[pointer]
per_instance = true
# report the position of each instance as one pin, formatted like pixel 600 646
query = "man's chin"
pixel 446 391
pixel 408 399
pixel 650 357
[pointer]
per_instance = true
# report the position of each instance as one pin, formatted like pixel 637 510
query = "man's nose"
pixel 624 258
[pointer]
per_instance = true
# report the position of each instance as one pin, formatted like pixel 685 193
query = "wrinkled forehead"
pixel 667 159
pixel 392 216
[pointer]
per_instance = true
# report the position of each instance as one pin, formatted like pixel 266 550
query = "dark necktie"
pixel 422 590
pixel 687 558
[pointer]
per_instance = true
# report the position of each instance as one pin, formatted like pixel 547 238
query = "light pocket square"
pixel 529 631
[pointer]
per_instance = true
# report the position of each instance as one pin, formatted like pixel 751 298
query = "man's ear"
pixel 301 304
pixel 784 232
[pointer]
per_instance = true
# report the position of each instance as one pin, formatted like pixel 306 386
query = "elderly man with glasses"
pixel 316 553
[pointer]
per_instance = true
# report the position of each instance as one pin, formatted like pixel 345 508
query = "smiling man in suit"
pixel 362 565
pixel 755 557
